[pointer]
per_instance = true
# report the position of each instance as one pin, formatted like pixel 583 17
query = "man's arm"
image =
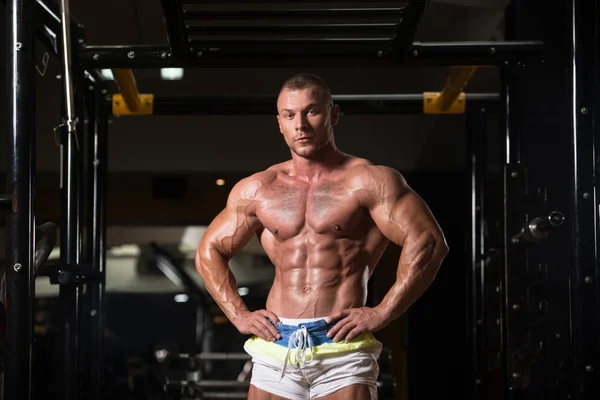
pixel 405 219
pixel 228 233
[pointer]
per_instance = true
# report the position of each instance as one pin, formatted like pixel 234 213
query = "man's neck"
pixel 311 169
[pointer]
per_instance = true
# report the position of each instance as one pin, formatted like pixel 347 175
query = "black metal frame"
pixel 585 271
pixel 20 186
pixel 477 137
pixel 398 50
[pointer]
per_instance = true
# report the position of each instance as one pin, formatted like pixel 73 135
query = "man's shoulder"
pixel 365 172
pixel 248 188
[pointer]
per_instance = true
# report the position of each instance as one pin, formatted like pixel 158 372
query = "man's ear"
pixel 335 114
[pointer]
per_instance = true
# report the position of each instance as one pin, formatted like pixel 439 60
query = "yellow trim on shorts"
pixel 256 346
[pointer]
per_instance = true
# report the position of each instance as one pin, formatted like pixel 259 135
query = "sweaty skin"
pixel 324 218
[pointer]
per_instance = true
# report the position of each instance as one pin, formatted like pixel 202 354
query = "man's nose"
pixel 301 122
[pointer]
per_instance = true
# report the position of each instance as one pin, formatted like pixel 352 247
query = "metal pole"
pixel 96 236
pixel 70 294
pixel 66 60
pixel 477 135
pixel 584 271
pixel 20 183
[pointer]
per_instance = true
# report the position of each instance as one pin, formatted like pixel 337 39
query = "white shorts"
pixel 305 364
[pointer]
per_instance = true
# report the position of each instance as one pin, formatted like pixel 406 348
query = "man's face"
pixel 306 119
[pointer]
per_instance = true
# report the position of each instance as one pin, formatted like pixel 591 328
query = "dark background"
pixel 193 151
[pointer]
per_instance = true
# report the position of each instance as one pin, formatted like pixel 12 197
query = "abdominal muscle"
pixel 311 289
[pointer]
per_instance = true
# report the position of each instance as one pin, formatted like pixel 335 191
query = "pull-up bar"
pixel 452 99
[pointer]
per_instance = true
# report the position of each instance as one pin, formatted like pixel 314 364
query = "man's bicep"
pixel 229 233
pixel 404 215
pixel 231 230
pixel 398 210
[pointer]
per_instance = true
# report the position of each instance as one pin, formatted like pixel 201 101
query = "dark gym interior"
pixel 100 219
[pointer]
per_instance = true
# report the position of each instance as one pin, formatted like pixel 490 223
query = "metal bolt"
pixel 18 267
pixel 478 381
pixel 96 57
pixel 588 279
pixel 557 335
pixel 415 53
pixel 380 54
pixel 589 368
pixel 80 40
pixel 497 289
pixel 93 313
pixel 515 375
pixel 584 110
pixel 492 50
pixel 516 307
pixel 514 174
pixel 104 91
pixel 586 195
pixel 131 54
pixel 163 55
pixel 479 322
pixel 90 87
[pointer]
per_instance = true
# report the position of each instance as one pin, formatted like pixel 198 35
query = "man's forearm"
pixel 220 283
pixel 419 262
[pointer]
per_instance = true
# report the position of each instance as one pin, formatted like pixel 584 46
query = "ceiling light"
pixel 171 74
pixel 107 74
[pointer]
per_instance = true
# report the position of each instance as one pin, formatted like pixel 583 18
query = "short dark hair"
pixel 304 80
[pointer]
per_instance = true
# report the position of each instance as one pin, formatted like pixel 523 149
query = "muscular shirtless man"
pixel 324 218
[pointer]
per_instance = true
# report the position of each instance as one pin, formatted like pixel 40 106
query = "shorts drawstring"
pixel 300 341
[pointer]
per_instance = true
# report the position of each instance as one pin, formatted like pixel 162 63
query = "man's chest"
pixel 287 210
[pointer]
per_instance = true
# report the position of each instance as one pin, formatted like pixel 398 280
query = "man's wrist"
pixel 384 312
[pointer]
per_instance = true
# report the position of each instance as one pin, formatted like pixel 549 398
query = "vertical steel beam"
pixel 20 184
pixel 583 60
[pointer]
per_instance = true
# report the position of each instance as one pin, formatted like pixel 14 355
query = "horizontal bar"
pixel 419 54
pixel 271 4
pixel 221 383
pixel 224 395
pixel 285 41
pixel 496 50
pixel 296 13
pixel 368 104
pixel 294 27
pixel 223 356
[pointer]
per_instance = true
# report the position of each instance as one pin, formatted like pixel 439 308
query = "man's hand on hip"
pixel 256 323
pixel 354 321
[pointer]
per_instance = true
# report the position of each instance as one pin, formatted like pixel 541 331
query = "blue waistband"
pixel 316 329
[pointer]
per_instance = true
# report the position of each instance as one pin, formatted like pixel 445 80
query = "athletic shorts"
pixel 306 364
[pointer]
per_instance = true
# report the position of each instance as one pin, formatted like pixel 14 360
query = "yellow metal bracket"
pixel 130 101
pixel 431 102
pixel 452 99
pixel 145 106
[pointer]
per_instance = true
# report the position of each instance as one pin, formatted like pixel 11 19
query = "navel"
pixel 307 289
pixel 275 230
pixel 337 227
